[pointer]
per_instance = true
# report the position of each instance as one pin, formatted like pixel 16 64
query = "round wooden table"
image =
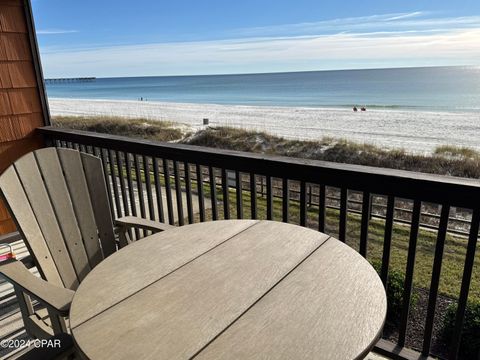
pixel 234 289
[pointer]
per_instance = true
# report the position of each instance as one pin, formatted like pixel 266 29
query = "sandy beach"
pixel 414 131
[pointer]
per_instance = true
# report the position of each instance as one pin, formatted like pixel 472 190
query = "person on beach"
pixel 355 109
pixel 363 108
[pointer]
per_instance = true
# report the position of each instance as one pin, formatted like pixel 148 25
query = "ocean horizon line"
pixel 465 66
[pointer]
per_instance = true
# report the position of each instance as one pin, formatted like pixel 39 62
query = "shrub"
pixel 455 151
pixel 470 341
pixel 395 288
pixel 139 128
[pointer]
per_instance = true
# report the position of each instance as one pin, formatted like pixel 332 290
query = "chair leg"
pixel 25 305
pixel 58 323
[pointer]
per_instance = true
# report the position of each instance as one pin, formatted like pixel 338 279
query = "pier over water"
pixel 63 80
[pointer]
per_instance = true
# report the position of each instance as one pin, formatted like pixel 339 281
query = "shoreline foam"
pixel 414 131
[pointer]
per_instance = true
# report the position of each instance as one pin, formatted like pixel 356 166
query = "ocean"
pixel 419 89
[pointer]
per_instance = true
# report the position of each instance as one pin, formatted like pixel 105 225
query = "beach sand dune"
pixel 414 131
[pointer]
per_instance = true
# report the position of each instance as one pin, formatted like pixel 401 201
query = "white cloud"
pixel 404 16
pixel 413 21
pixel 440 43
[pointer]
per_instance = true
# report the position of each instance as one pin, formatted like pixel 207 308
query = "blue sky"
pixel 127 38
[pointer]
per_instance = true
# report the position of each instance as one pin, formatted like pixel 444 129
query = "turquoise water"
pixel 434 88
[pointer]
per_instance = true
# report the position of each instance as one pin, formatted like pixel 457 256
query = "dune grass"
pixel 446 160
pixel 459 152
pixel 138 128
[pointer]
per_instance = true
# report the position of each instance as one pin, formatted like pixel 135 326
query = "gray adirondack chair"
pixel 58 199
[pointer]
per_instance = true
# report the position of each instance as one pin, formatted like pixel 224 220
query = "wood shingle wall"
pixel 22 104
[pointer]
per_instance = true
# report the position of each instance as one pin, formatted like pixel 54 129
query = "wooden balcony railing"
pixel 182 184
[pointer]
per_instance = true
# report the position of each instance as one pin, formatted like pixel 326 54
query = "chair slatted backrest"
pixel 58 199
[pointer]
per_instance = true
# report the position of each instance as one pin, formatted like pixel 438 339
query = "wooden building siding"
pixel 22 104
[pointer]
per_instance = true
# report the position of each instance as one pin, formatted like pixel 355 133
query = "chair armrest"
pixel 54 297
pixel 136 222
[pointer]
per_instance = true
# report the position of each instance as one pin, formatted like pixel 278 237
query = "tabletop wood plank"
pixel 179 314
pixel 144 262
pixel 331 307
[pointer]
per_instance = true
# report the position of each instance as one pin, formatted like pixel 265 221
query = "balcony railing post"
pixel 201 199
pixel 465 287
pixel 188 189
pixel 226 195
pixel 148 185
pixel 131 192
pixel 342 225
pixel 213 192
pixel 107 180
pixel 178 193
pixel 285 199
pixel 303 204
pixel 253 195
pixel 322 208
pixel 407 288
pixel 138 179
pixel 121 177
pixel 365 221
pixel 437 267
pixel 387 240
pixel 269 198
pixel 239 193
pixel 168 191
